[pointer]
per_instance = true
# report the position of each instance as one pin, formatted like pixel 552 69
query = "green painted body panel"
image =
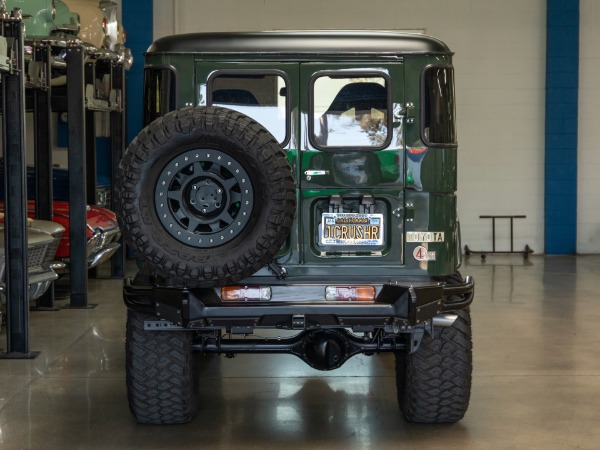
pixel 414 185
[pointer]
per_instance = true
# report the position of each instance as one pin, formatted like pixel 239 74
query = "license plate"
pixel 351 229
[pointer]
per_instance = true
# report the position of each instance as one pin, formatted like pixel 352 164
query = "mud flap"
pixel 426 302
pixel 422 302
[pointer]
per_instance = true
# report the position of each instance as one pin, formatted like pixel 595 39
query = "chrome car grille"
pixel 36 255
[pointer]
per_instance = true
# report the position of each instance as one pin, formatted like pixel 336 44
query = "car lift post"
pixel 42 114
pixel 77 186
pixel 117 136
pixel 15 188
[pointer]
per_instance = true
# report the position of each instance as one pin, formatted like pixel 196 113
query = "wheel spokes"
pixel 204 198
pixel 175 195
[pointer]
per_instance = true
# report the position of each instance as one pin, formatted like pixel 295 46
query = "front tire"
pixel 162 379
pixel 434 383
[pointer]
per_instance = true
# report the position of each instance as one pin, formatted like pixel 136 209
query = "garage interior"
pixel 536 365
pixel 535 378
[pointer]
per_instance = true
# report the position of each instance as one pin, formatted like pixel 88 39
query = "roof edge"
pixel 301 42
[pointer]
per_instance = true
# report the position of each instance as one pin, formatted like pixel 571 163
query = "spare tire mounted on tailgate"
pixel 205 196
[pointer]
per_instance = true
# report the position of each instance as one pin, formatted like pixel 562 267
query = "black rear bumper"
pixel 396 305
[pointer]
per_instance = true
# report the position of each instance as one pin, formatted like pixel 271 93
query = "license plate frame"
pixel 352 229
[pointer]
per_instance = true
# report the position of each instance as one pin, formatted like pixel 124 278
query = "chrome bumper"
pixel 38 283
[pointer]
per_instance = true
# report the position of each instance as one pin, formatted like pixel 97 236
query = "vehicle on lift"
pixel 300 181
pixel 101 29
pixel 46 19
pixel 60 25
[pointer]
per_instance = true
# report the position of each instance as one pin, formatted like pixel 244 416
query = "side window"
pixel 438 107
pixel 261 96
pixel 160 92
pixel 350 111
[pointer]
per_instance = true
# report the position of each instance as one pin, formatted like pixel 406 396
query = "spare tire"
pixel 205 196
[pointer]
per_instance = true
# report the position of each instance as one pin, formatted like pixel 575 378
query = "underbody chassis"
pixel 328 333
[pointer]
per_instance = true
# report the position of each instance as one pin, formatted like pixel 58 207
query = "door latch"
pixel 313 173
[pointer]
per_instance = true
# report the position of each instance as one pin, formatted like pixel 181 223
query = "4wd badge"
pixel 422 254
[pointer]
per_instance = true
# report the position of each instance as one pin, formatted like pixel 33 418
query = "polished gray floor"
pixel 536 379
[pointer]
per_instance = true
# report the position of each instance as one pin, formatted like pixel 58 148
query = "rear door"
pixel 351 163
pixel 268 93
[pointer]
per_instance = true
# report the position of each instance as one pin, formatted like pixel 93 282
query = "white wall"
pixel 588 198
pixel 500 76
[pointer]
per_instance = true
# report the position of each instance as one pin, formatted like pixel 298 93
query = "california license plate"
pixel 351 229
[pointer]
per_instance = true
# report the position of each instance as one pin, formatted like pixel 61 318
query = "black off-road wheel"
pixel 162 379
pixel 434 383
pixel 205 196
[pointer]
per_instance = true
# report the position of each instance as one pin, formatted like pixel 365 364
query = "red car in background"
pixel 102 232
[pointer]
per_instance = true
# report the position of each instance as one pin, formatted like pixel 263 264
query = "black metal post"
pixel 117 142
pixel 77 185
pixel 90 157
pixel 90 136
pixel 42 138
pixel 15 188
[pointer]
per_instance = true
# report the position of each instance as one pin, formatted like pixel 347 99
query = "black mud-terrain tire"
pixel 434 383
pixel 205 196
pixel 162 379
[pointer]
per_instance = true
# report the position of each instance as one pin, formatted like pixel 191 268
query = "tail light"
pixel 246 293
pixel 105 25
pixel 350 293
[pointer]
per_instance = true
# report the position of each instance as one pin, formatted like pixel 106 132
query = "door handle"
pixel 312 173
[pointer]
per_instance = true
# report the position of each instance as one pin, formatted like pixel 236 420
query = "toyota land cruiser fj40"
pixel 299 181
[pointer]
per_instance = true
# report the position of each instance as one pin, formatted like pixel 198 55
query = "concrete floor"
pixel 536 382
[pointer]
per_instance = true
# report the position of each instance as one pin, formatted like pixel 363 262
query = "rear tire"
pixel 162 379
pixel 434 383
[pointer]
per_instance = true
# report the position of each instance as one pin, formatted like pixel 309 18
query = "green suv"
pixel 304 183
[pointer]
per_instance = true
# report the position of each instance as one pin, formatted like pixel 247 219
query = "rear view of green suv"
pixel 302 182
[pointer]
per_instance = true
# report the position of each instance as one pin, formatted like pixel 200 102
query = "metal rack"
pixel 525 252
pixel 43 100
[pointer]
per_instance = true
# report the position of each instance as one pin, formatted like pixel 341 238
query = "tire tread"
pixel 162 382
pixel 434 383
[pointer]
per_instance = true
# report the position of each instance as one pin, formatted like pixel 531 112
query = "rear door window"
pixel 350 110
pixel 160 92
pixel 263 96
